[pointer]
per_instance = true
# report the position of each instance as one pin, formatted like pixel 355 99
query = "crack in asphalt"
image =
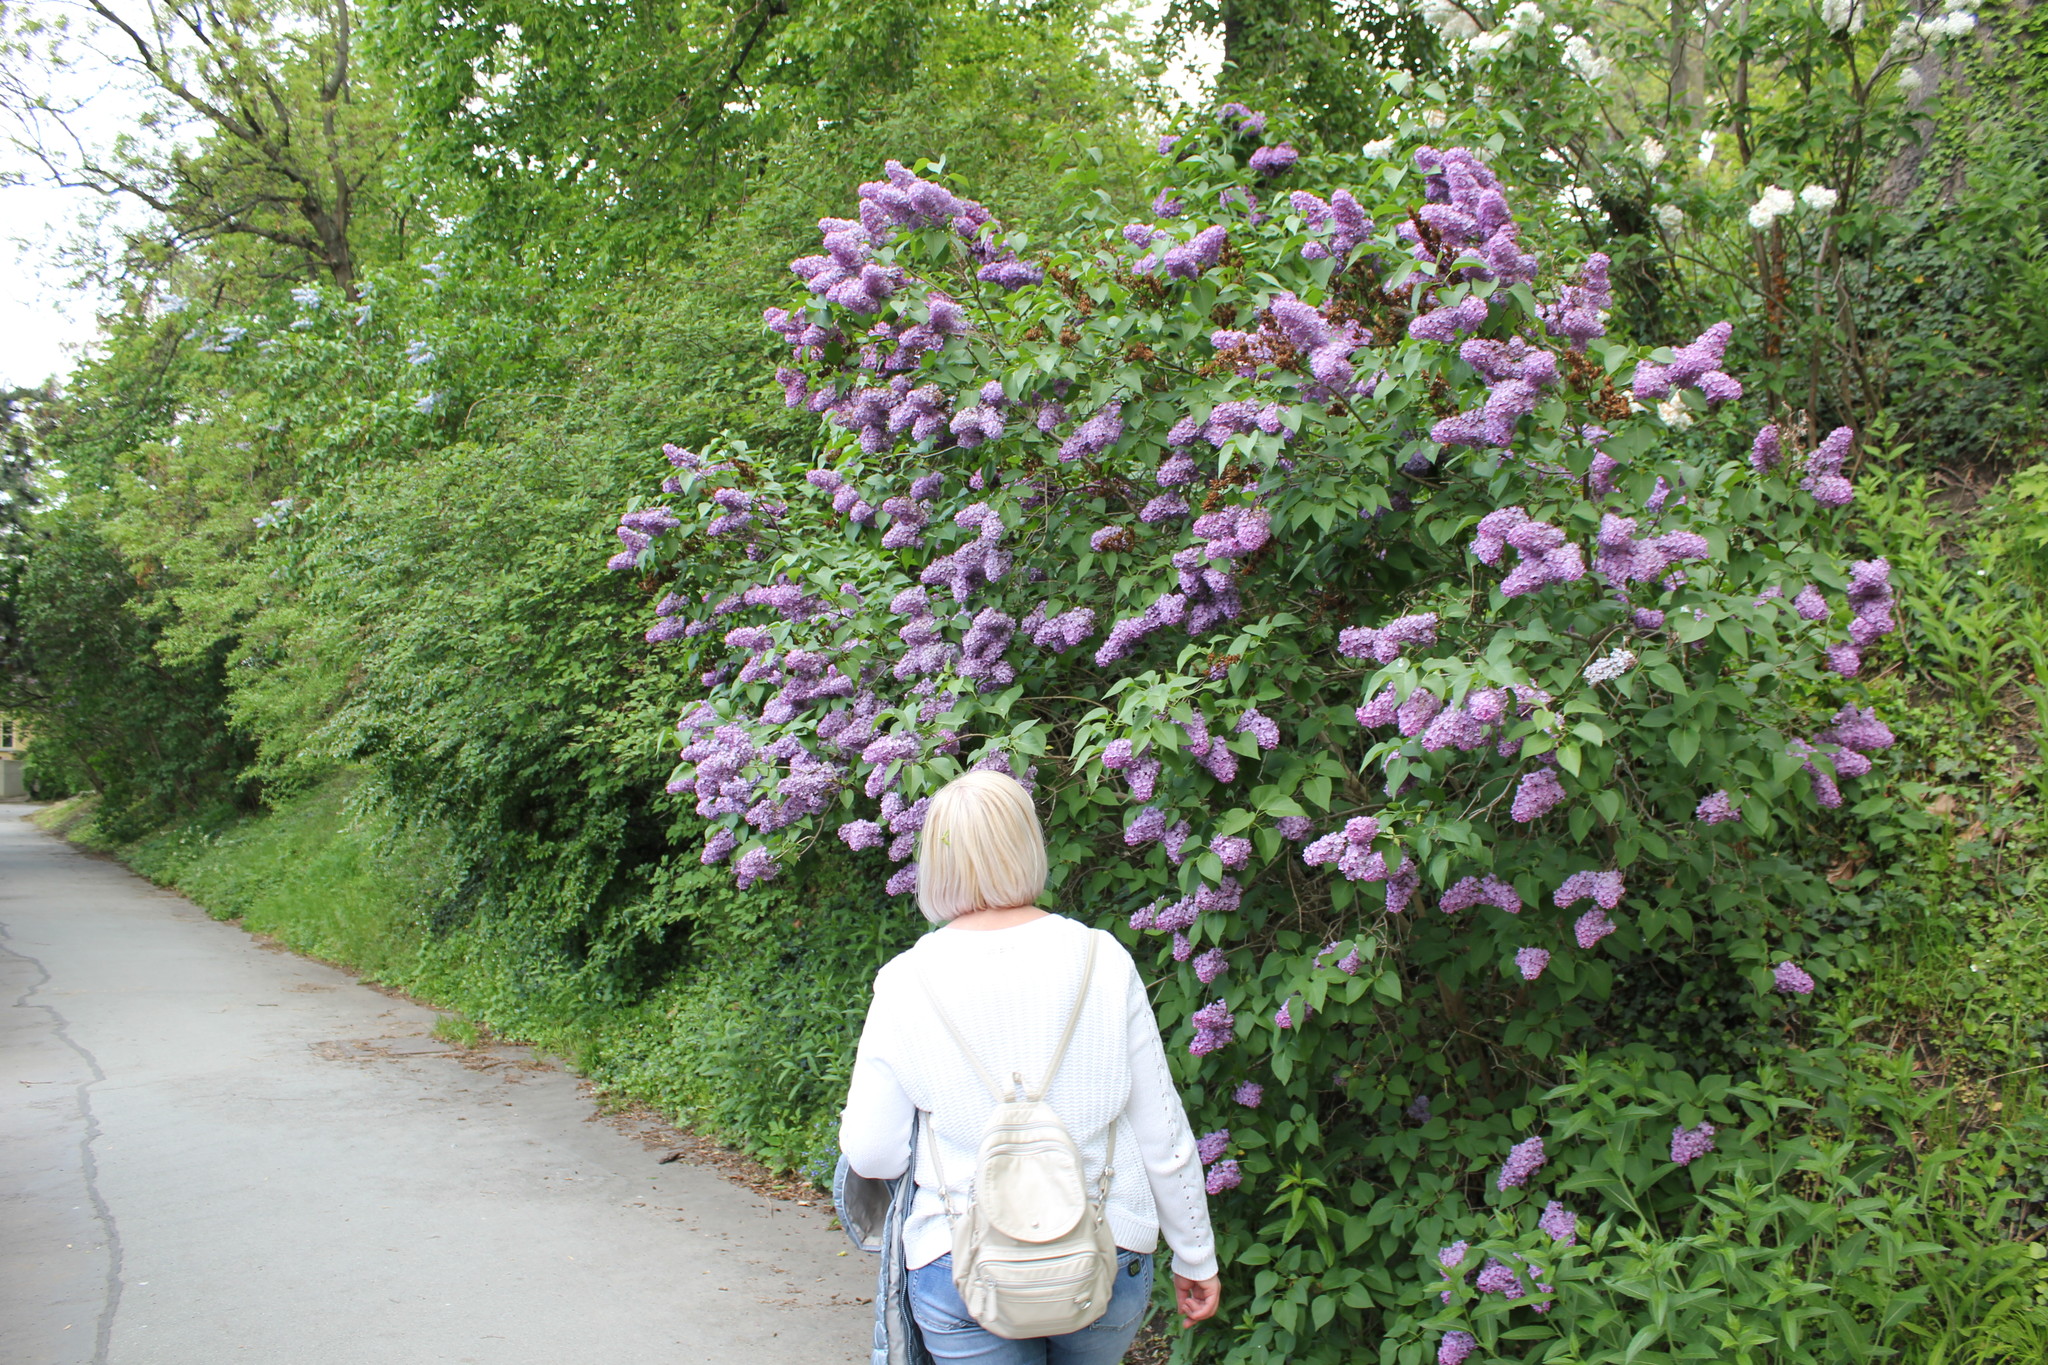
pixel 88 1162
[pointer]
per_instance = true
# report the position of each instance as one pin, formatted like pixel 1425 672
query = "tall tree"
pixel 255 130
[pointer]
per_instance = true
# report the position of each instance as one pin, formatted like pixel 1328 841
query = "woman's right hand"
pixel 1197 1299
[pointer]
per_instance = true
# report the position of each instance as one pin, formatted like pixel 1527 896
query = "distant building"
pixel 13 748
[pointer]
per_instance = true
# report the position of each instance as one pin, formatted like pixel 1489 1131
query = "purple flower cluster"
pixel 1224 1175
pixel 978 562
pixel 1245 121
pixel 1057 633
pixel 1249 1094
pixel 1385 643
pixel 1821 473
pixel 1516 375
pixel 1270 161
pixel 1531 962
pixel 1210 965
pixel 1140 772
pixel 1621 557
pixel 1215 1027
pixel 1559 1222
pixel 1792 979
pixel 1467 892
pixel 1496 1277
pixel 1186 260
pixel 1095 435
pixel 1591 927
pixel 1577 313
pixel 1466 214
pixel 1350 849
pixel 1604 888
pixel 1290 332
pixel 1536 795
pixel 1546 556
pixel 1847 745
pixel 1341 222
pixel 1210 1147
pixel 1455 1347
pixel 1692 367
pixel 1717 808
pixel 1524 1160
pixel 1690 1144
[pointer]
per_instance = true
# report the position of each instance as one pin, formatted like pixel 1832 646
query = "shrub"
pixel 1437 679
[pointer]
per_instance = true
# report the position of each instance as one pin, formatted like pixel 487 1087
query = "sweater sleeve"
pixel 1167 1144
pixel 874 1127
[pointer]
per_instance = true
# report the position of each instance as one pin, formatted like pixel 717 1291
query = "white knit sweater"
pixel 1010 992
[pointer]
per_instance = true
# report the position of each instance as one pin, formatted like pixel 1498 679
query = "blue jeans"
pixel 950 1334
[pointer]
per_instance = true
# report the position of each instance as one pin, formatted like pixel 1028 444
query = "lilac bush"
pixel 1375 636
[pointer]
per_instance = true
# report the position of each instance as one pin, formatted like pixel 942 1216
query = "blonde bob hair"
pixel 981 847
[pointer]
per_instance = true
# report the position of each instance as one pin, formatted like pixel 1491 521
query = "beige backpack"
pixel 1033 1255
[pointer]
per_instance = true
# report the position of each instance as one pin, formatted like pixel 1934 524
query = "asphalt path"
pixel 215 1151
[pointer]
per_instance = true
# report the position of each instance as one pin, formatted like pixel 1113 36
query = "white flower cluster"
pixel 1772 205
pixel 1611 667
pixel 1775 203
pixel 1450 21
pixel 306 298
pixel 1587 64
pixel 1670 217
pixel 1379 149
pixel 1675 413
pixel 1958 19
pixel 1844 16
pixel 1652 153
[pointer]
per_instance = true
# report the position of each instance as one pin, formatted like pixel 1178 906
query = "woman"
pixel 1008 973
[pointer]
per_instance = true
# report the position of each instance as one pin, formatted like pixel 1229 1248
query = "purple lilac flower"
pixel 1417 712
pixel 1418 1112
pixel 1524 1160
pixel 1766 450
pixel 757 864
pixel 1692 367
pixel 1717 808
pixel 861 834
pixel 1690 1144
pixel 1455 1347
pixel 1810 604
pixel 1560 1223
pixel 1164 205
pixel 1210 1147
pixel 1273 160
pixel 1858 730
pixel 721 843
pixel 1249 1094
pixel 1843 658
pixel 1402 884
pixel 1214 1028
pixel 1224 1175
pixel 1450 321
pixel 1531 962
pixel 1384 645
pixel 1592 926
pixel 1823 477
pixel 1791 979
pixel 1295 827
pixel 1467 892
pixel 1198 253
pixel 1210 965
pixel 1264 732
pixel 1095 435
pixel 1380 709
pixel 1576 314
pixel 1468 213
pixel 1495 1277
pixel 1232 850
pixel 1536 795
pixel 1604 888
